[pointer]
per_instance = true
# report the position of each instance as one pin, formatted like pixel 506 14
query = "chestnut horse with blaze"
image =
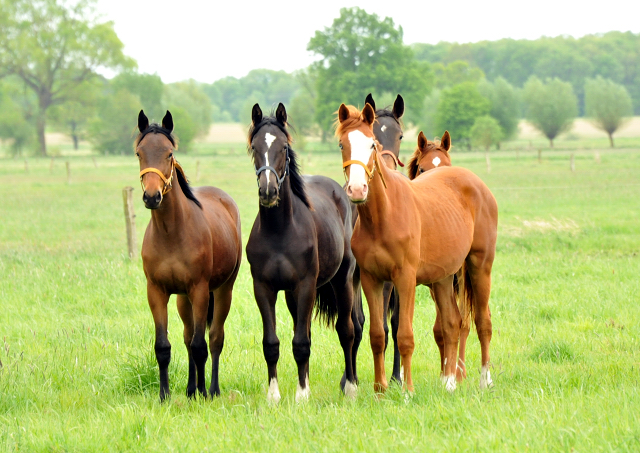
pixel 419 231
pixel 192 248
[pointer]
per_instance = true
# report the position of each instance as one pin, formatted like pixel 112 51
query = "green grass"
pixel 79 374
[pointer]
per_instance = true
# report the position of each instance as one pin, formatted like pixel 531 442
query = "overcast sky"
pixel 208 40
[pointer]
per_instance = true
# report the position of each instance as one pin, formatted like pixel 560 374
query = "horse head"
pixel 154 148
pixel 269 143
pixel 358 144
pixel 388 130
pixel 429 155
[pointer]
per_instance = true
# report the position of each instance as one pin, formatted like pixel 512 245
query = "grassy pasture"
pixel 78 371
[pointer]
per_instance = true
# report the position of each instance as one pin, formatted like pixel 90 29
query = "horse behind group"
pixel 192 248
pixel 418 232
pixel 299 244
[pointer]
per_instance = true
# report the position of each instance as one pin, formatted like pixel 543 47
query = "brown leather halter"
pixel 167 181
pixel 396 159
pixel 370 173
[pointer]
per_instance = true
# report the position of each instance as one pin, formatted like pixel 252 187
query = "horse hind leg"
pixel 439 337
pixel 221 301
pixel 394 308
pixel 199 298
pixel 479 275
pixel 358 319
pixel 186 314
pixel 451 322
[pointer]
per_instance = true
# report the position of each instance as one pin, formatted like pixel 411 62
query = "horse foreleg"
pixel 199 297
pixel 158 300
pixel 405 283
pixel 373 291
pixel 437 334
pixel 221 301
pixel 186 314
pixel 304 294
pixel 450 322
pixel 342 285
pixel 266 300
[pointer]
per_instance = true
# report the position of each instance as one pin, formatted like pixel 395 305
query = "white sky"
pixel 207 40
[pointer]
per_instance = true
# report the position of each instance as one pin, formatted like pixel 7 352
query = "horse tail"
pixel 394 300
pixel 210 310
pixel 464 295
pixel 326 305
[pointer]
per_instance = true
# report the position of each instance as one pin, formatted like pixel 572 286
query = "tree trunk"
pixel 551 142
pixel 40 125
pixel 74 135
pixel 75 141
pixel 610 138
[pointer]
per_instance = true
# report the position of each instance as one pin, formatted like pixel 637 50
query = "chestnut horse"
pixel 429 155
pixel 192 248
pixel 300 243
pixel 418 231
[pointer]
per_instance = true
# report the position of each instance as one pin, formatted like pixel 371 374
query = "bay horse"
pixel 192 248
pixel 419 231
pixel 299 244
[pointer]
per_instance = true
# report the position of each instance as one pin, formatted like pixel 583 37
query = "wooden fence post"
pixel 539 156
pixel 597 157
pixel 95 162
pixel 26 166
pixel 197 170
pixel 573 165
pixel 51 166
pixel 68 172
pixel 130 220
pixel 488 159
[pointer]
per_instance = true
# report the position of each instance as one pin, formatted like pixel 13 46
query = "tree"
pixel 505 105
pixel 486 131
pixel 607 103
pixel 193 109
pixel 111 132
pixel 458 109
pixel 551 107
pixel 148 87
pixel 16 115
pixel 54 48
pixel 456 72
pixel 74 116
pixel 362 53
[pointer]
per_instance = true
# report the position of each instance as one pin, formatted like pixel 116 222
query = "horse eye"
pixel 401 137
pixel 421 171
pixel 170 156
pixel 340 145
pixel 138 155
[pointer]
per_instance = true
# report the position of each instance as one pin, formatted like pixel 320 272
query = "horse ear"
pixel 445 142
pixel 398 107
pixel 368 114
pixel 256 114
pixel 422 140
pixel 143 121
pixel 167 121
pixel 369 100
pixel 343 113
pixel 281 114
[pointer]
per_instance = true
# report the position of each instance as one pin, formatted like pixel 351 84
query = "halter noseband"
pixel 370 173
pixel 167 181
pixel 280 179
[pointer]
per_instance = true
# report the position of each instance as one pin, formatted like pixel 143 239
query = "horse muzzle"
pixel 153 201
pixel 357 193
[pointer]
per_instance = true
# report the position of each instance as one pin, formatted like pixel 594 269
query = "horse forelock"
pixel 388 113
pixel 155 128
pixel 351 123
pixel 271 119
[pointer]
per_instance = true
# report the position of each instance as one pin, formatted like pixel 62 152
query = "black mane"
pixel 155 128
pixel 295 178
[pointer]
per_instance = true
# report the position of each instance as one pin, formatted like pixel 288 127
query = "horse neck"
pixel 280 216
pixel 171 215
pixel 375 212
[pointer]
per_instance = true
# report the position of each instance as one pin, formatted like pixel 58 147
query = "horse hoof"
pixel 273 394
pixel 350 390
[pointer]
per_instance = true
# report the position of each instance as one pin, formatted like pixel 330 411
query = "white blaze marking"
pixel 350 390
pixel 383 128
pixel 268 138
pixel 273 395
pixel 485 378
pixel 302 394
pixel 436 161
pixel 360 150
pixel 450 383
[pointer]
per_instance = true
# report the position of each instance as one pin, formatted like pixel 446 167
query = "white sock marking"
pixel 436 161
pixel 302 394
pixel 450 383
pixel 273 394
pixel 350 390
pixel 402 374
pixel 485 378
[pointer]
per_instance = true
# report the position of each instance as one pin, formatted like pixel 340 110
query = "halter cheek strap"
pixel 370 173
pixel 280 179
pixel 167 181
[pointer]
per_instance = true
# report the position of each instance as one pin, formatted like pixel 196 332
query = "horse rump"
pixel 326 305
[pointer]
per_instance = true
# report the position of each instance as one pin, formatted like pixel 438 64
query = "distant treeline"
pixel 614 55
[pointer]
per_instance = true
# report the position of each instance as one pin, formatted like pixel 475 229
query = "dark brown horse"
pixel 299 244
pixel 418 232
pixel 192 248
